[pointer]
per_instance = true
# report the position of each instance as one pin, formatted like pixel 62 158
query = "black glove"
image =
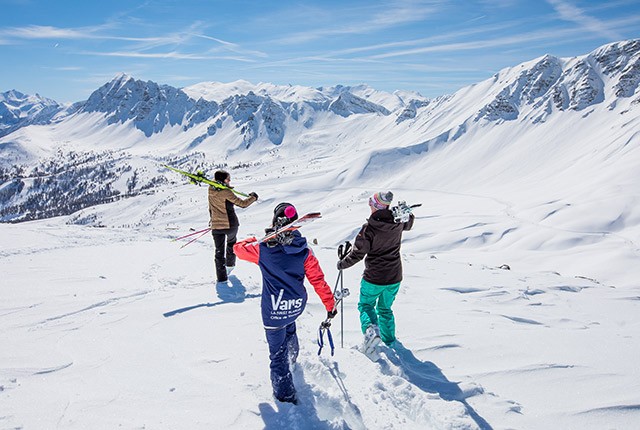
pixel 254 195
pixel 331 314
pixel 343 251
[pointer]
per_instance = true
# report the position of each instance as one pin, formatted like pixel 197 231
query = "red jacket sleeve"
pixel 314 274
pixel 248 250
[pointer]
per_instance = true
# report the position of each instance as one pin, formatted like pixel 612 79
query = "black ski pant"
pixel 224 239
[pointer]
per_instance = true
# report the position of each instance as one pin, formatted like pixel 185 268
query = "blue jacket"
pixel 284 268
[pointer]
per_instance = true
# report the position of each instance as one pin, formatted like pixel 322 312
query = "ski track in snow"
pixel 614 409
pixel 30 371
pixel 112 301
pixel 399 400
pixel 510 212
pixel 9 311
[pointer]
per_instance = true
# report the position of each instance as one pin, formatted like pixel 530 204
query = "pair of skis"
pixel 305 219
pixel 199 234
pixel 199 178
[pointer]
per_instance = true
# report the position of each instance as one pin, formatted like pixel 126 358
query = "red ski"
pixel 305 219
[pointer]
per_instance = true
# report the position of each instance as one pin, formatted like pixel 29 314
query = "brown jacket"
pixel 221 210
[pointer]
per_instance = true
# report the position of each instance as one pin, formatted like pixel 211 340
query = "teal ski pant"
pixel 375 308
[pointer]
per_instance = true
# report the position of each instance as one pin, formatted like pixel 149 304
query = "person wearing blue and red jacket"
pixel 284 262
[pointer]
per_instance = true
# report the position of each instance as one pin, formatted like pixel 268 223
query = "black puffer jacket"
pixel 379 240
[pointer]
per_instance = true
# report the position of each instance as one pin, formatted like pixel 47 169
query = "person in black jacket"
pixel 378 242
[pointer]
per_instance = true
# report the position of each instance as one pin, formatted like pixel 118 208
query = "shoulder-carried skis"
pixel 199 178
pixel 305 219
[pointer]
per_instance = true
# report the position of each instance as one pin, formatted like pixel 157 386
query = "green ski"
pixel 199 178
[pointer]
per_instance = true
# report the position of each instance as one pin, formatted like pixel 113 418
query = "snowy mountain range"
pixel 20 110
pixel 257 110
pixel 242 122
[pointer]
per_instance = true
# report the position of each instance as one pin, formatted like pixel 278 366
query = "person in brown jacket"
pixel 224 222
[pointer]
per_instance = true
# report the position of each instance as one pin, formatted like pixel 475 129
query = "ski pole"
pixel 341 315
pixel 196 238
pixel 342 252
pixel 191 234
pixel 326 324
pixel 338 296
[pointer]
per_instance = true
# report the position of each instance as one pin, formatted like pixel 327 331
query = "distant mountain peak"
pixel 576 83
pixel 348 103
pixel 19 110
pixel 148 105
pixel 12 95
pixel 122 77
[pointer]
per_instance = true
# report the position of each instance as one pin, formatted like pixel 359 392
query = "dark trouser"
pixel 283 348
pixel 224 253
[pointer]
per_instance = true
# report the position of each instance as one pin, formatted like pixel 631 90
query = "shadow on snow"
pixel 302 416
pixel 429 378
pixel 228 292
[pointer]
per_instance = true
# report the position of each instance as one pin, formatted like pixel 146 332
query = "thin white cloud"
pixel 230 46
pixel 550 34
pixel 32 32
pixel 471 31
pixel 569 12
pixel 358 22
pixel 451 47
pixel 66 69
pixel 43 32
pixel 403 12
pixel 502 4
pixel 181 78
pixel 35 32
pixel 140 45
pixel 478 18
pixel 49 32
pixel 360 64
pixel 165 55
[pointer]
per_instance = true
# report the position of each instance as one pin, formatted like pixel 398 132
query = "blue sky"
pixel 65 49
